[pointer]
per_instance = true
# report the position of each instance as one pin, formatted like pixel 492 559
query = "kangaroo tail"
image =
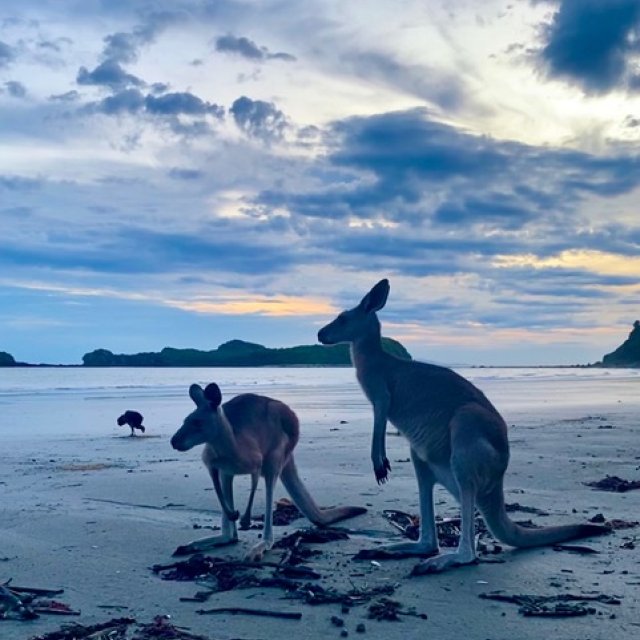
pixel 303 500
pixel 502 527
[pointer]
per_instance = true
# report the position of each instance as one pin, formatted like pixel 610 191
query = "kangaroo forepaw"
pixel 233 515
pixel 382 472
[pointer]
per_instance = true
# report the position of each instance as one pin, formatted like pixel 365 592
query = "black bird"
pixel 133 419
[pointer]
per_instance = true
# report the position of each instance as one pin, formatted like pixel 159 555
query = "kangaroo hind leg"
pixel 427 543
pixel 256 552
pixel 229 532
pixel 245 520
pixel 476 463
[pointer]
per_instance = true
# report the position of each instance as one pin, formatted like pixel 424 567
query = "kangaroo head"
pixel 358 322
pixel 200 425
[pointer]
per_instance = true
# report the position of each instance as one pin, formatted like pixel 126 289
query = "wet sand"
pixel 91 515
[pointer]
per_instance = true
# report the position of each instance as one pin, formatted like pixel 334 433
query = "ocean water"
pixel 79 402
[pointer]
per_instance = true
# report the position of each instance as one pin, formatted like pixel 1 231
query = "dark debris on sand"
pixel 122 629
pixel 289 575
pixel 614 483
pixel 448 534
pixel 28 603
pixel 391 610
pixel 285 513
pixel 563 605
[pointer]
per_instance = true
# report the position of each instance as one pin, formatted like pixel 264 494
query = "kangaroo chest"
pixel 217 459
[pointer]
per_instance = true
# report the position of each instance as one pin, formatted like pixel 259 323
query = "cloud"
pixel 259 119
pixel 122 47
pixel 594 44
pixel 7 54
pixel 15 89
pixel 181 103
pixel 136 250
pixel 185 174
pixel 109 74
pixel 407 168
pixel 67 96
pixel 185 113
pixel 438 87
pixel 125 101
pixel 248 49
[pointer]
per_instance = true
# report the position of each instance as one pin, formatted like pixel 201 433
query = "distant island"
pixel 627 354
pixel 7 360
pixel 236 353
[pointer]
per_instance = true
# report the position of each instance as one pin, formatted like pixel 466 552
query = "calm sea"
pixel 72 402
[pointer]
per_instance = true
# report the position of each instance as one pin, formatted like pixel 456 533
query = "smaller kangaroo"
pixel 248 435
pixel 457 438
pixel 133 419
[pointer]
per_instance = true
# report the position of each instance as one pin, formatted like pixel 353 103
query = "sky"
pixel 185 172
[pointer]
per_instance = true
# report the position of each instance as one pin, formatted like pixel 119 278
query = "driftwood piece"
pixel 285 615
pixel 574 548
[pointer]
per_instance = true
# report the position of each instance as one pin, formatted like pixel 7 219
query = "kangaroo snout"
pixel 323 338
pixel 177 444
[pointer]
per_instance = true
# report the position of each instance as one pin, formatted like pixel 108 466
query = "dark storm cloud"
pixel 259 119
pixel 408 168
pixel 404 143
pixel 109 74
pixel 247 48
pixel 593 44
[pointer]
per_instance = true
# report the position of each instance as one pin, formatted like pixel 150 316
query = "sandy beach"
pixel 89 510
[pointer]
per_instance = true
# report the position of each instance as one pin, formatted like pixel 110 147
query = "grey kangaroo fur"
pixel 248 435
pixel 456 435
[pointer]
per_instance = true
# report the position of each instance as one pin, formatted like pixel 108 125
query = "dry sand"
pixel 92 515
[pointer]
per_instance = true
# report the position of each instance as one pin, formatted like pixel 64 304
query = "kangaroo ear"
pixel 376 298
pixel 213 394
pixel 196 394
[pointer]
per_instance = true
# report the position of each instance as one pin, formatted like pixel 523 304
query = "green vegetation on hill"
pixel 6 359
pixel 236 353
pixel 628 353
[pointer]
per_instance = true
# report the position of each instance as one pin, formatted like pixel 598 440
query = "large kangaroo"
pixel 457 439
pixel 254 435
